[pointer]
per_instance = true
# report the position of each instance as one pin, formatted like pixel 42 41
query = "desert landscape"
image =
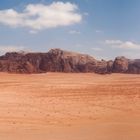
pixel 69 106
pixel 69 70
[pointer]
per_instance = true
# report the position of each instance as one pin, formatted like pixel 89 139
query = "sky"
pixel 101 28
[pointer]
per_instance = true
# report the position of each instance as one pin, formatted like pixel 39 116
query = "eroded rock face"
pixel 64 61
pixel 124 65
pixel 134 66
pixel 120 65
pixel 57 60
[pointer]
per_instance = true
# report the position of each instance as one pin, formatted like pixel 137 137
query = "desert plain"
pixel 69 106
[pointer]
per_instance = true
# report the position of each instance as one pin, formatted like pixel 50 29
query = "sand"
pixel 60 106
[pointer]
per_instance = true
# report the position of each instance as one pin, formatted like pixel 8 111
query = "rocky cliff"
pixel 57 60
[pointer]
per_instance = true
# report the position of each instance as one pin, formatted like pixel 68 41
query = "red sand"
pixel 58 106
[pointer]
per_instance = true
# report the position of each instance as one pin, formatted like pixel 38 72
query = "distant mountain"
pixel 57 60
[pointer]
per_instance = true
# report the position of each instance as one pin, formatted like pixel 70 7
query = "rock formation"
pixel 120 65
pixel 57 60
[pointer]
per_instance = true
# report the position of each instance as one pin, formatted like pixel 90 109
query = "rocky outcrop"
pixel 57 60
pixel 120 65
pixel 134 66
pixel 124 65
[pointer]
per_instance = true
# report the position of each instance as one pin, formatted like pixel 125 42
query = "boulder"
pixel 134 66
pixel 120 65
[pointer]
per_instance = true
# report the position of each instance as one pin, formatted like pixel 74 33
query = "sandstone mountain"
pixel 57 60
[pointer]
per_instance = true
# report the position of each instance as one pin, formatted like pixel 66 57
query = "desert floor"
pixel 60 106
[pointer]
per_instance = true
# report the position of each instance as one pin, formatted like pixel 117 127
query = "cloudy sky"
pixel 101 28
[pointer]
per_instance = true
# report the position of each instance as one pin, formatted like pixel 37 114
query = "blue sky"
pixel 101 28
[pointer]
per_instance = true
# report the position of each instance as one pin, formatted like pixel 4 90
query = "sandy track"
pixel 56 106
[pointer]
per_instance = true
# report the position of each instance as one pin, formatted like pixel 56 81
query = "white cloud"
pixel 4 49
pixel 97 49
pixel 74 32
pixel 40 16
pixel 130 45
pixel 113 42
pixel 122 44
pixel 131 54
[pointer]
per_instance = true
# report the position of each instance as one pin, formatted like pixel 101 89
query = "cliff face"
pixel 57 60
pixel 124 65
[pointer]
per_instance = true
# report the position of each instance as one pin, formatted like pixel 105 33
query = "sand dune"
pixel 60 106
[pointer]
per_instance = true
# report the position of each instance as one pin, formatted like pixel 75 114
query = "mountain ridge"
pixel 57 60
